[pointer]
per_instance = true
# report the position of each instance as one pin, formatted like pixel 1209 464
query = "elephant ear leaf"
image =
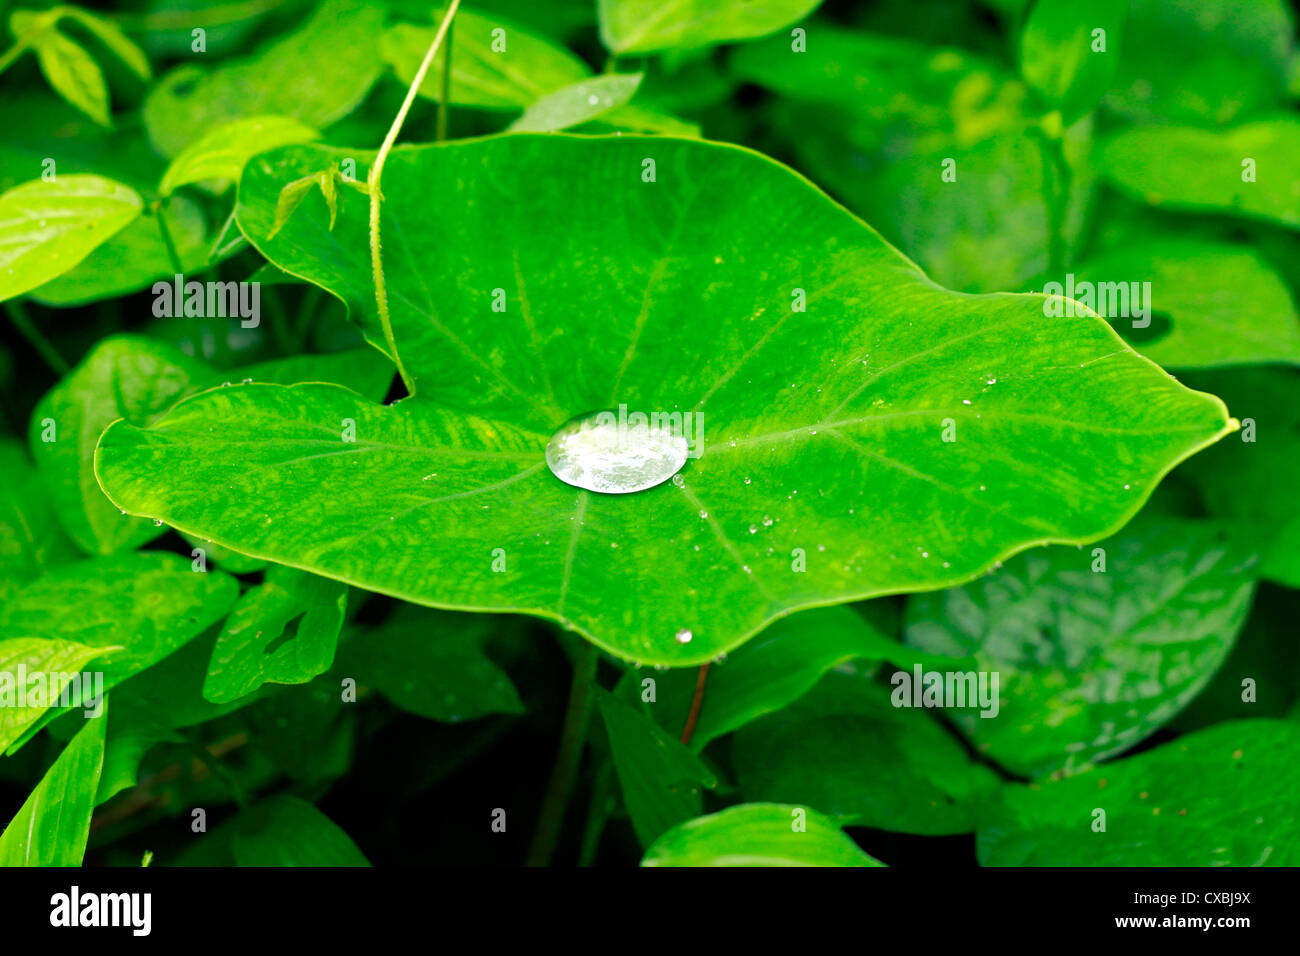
pixel 854 429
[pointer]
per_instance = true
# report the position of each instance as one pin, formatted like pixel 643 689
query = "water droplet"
pixel 595 453
pixel 679 481
pixel 753 529
pixel 993 381
pixel 704 514
pixel 157 521
pixel 593 99
pixel 747 480
pixel 683 636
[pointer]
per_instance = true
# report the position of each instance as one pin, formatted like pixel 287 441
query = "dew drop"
pixel 704 514
pixel 595 453
pixel 747 480
pixel 157 521
pixel 684 636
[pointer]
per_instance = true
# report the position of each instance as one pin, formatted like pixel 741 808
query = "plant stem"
pixel 23 323
pixel 444 102
pixel 1056 168
pixel 597 813
pixel 376 197
pixel 573 739
pixel 696 702
pixel 172 255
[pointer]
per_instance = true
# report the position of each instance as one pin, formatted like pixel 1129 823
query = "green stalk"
pixel 573 739
pixel 376 196
pixel 173 256
pixel 444 103
pixel 23 323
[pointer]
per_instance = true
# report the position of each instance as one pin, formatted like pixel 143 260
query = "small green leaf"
pixel 53 825
pixel 46 228
pixel 222 153
pixel 250 651
pixel 108 33
pixel 1094 650
pixel 648 26
pixel 1248 170
pixel 1070 50
pixel 661 779
pixel 288 831
pixel 578 103
pixel 73 74
pixel 54 662
pixel 1224 796
pixel 495 64
pixel 758 834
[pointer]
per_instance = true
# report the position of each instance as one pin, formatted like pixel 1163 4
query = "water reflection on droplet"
pixel 684 636
pixel 599 453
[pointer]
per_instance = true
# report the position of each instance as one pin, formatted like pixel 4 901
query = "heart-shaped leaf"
pixel 288 831
pixel 55 662
pixel 46 228
pixel 867 431
pixel 1220 797
pixel 758 834
pixel 1094 650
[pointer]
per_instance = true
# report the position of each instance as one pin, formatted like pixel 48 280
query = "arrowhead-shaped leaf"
pixel 860 421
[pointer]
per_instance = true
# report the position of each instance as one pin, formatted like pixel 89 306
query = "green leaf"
pixel 46 228
pixel 1091 662
pixel 661 779
pixel 1181 167
pixel 53 825
pixel 111 36
pixel 578 103
pixel 317 74
pixel 494 63
pixel 778 666
pixel 54 662
pixel 73 74
pixel 222 153
pixel 122 377
pixel 1203 61
pixel 848 751
pixel 1197 287
pixel 433 664
pixel 648 26
pixel 31 538
pixel 1065 59
pixel 1064 430
pixel 250 651
pixel 135 609
pixel 757 834
pixel 288 831
pixel 1220 797
pixel 881 120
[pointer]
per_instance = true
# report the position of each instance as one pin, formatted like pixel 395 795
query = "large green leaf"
pixel 757 834
pixel 647 26
pixel 494 63
pixel 661 779
pixel 283 631
pixel 31 538
pixel 1197 288
pixel 289 831
pixel 847 750
pixel 317 74
pixel 1092 661
pixel 1183 167
pixel 1220 797
pixel 1062 56
pixel 53 825
pixel 1203 61
pixel 55 663
pixel 46 228
pixel 824 444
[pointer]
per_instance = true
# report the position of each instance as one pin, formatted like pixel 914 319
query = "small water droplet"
pixel 704 514
pixel 683 636
pixel 753 529
pixel 157 521
pixel 992 381
pixel 595 453
pixel 747 479
pixel 679 481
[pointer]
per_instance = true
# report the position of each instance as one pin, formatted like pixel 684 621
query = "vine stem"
pixel 1058 201
pixel 23 323
pixel 159 212
pixel 696 702
pixel 377 197
pixel 444 102
pixel 573 739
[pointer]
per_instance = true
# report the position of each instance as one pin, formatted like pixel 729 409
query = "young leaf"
pixel 1196 286
pixel 838 460
pixel 757 834
pixel 222 153
pixel 1070 50
pixel 1248 170
pixel 661 779
pixel 53 825
pixel 648 26
pixel 110 35
pixel 46 228
pixel 578 103
pixel 1094 650
pixel 289 831
pixel 24 657
pixel 848 751
pixel 1224 796
pixel 31 538
pixel 494 63
pixel 73 74
pixel 250 652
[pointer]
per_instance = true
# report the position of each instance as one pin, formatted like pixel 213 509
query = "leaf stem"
pixel 696 702
pixel 444 102
pixel 172 255
pixel 23 323
pixel 376 197
pixel 573 739
pixel 1056 168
